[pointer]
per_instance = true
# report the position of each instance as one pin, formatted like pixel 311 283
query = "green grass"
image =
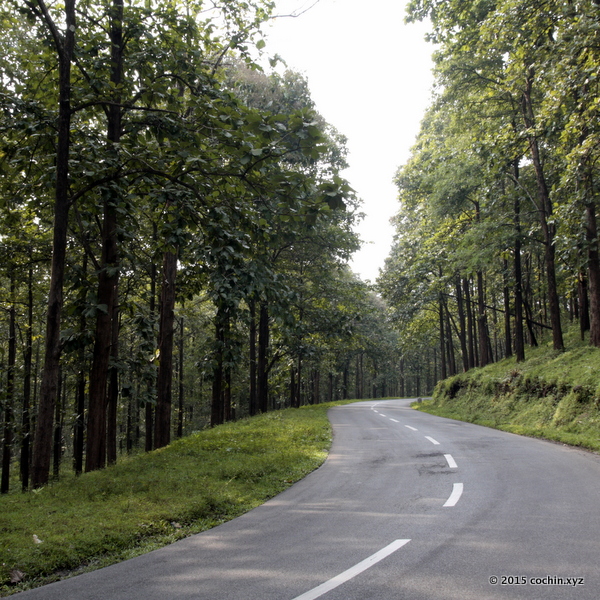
pixel 554 395
pixel 154 499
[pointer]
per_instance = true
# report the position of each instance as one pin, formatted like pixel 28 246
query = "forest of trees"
pixel 174 234
pixel 496 245
pixel 175 230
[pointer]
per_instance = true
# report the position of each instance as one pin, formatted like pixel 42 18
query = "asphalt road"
pixel 407 507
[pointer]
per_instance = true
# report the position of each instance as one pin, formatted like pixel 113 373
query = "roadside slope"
pixel 150 500
pixel 551 395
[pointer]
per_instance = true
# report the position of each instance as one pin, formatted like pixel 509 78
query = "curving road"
pixel 408 506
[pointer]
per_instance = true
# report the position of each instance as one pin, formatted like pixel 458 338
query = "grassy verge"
pixel 551 395
pixel 151 500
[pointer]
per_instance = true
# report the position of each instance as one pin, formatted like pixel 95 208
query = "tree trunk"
pixel 228 412
pixel 470 326
pixel 519 331
pixel 253 403
pixel 449 344
pixel 299 383
pixel 95 457
pixel 58 426
pixel 484 343
pixel 591 232
pixel 217 414
pixel 583 304
pixel 112 400
pixel 42 447
pixel 292 386
pixel 181 395
pixel 402 379
pixel 27 368
pixel 162 417
pixel 107 313
pixel 79 422
pixel 316 388
pixel 78 425
pixel 149 407
pixel 545 214
pixel 442 338
pixel 507 328
pixel 263 348
pixel 227 407
pixel 462 333
pixel 9 397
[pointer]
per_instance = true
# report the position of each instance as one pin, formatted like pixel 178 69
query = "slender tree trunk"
pixel 149 407
pixel 78 425
pixel 181 395
pixel 484 357
pixel 449 344
pixel 402 379
pixel 292 386
pixel 545 214
pixel 42 447
pixel 299 382
pixel 345 381
pixel 226 400
pixel 583 304
pixel 591 232
pixel 360 376
pixel 316 386
pixel 95 457
pixel 58 426
pixel 27 368
pixel 109 275
pixel 162 418
pixel 507 328
pixel 253 402
pixel 470 326
pixel 129 426
pixel 79 422
pixel 527 307
pixel 462 333
pixel 442 337
pixel 482 327
pixel 217 416
pixel 263 348
pixel 519 331
pixel 112 400
pixel 9 398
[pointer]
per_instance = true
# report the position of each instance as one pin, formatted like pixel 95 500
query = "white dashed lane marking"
pixel 451 462
pixel 352 572
pixel 457 490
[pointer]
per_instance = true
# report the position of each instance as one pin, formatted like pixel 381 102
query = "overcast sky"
pixel 370 76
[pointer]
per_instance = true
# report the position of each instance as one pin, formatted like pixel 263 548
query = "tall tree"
pixel 64 44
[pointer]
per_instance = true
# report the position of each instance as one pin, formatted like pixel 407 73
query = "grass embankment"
pixel 151 500
pixel 554 395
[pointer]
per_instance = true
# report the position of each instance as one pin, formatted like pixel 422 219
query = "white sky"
pixel 370 76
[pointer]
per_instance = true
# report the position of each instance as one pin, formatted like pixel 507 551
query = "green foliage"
pixel 182 143
pixel 502 176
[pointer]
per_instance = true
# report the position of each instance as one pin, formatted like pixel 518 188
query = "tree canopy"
pixel 497 242
pixel 175 232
